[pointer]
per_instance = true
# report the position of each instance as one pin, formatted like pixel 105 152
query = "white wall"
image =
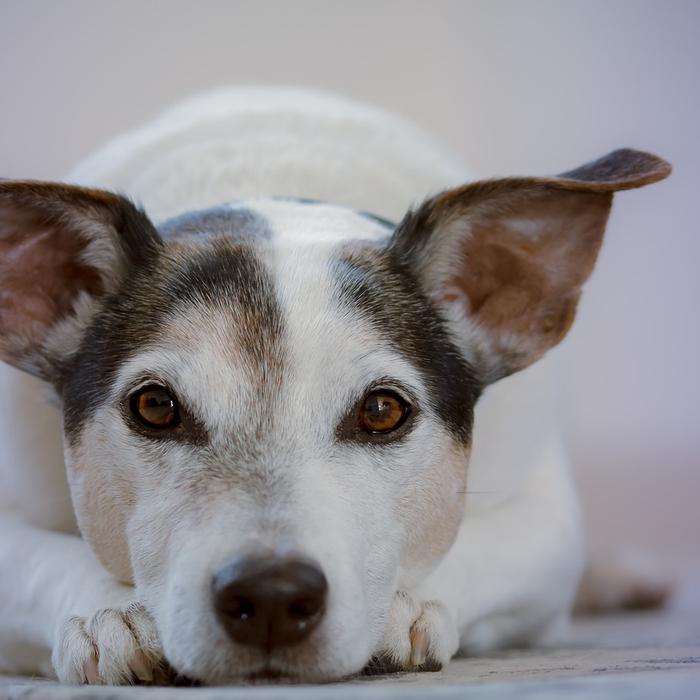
pixel 515 87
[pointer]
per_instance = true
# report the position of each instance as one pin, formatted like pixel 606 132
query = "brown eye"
pixel 382 412
pixel 155 407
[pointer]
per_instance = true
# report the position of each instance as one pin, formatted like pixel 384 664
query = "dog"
pixel 299 397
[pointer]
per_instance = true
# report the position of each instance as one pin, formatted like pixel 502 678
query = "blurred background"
pixel 521 87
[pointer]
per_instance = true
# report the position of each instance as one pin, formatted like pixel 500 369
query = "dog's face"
pixel 251 394
pixel 268 406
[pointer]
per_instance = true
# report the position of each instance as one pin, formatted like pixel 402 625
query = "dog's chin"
pixel 275 668
pixel 266 674
pixel 307 663
pixel 271 676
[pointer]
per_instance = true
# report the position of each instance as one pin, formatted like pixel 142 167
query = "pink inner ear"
pixel 42 275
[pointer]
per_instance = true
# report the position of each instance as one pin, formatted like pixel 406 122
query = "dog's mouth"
pixel 266 675
pixel 270 675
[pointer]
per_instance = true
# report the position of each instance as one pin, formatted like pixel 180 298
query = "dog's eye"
pixel 155 407
pixel 383 411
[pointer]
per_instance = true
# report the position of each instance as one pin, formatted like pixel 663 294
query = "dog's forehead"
pixel 300 221
pixel 272 294
pixel 264 327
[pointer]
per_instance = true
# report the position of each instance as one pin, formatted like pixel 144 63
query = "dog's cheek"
pixel 431 510
pixel 102 505
pixel 113 478
pixel 150 533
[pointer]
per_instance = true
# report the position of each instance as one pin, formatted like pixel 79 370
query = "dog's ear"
pixel 507 258
pixel 62 249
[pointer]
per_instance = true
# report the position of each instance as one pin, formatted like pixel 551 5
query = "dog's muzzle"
pixel 268 601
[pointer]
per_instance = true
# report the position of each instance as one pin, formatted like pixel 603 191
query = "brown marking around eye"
pixel 382 288
pixel 219 289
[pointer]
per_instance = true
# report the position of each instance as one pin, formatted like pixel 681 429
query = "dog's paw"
pixel 113 647
pixel 418 637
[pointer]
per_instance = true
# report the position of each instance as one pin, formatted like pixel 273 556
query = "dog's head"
pixel 268 406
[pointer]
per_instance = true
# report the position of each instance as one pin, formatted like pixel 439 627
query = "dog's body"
pixel 420 560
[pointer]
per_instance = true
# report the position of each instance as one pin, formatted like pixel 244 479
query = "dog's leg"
pixel 59 607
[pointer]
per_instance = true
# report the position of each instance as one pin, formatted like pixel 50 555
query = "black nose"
pixel 269 601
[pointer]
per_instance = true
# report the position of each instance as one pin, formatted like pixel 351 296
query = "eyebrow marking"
pixel 233 275
pixel 377 285
pixel 182 282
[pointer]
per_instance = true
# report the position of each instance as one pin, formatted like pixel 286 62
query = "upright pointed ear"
pixel 506 259
pixel 62 249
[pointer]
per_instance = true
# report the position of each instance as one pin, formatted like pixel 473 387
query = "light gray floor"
pixel 639 656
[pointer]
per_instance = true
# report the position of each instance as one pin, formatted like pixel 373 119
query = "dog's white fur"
pixel 511 574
